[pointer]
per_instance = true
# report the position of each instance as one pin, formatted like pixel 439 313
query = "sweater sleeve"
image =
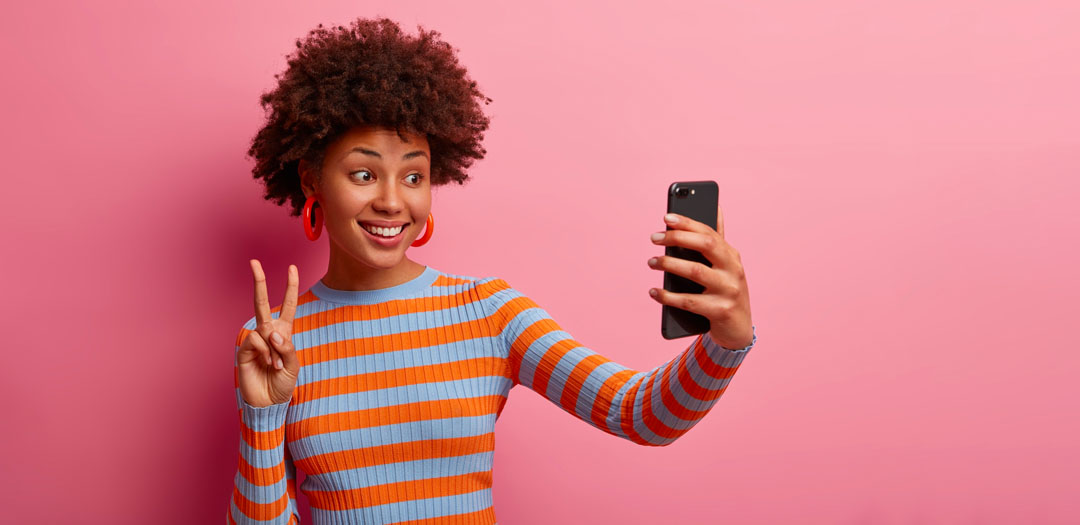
pixel 264 488
pixel 651 407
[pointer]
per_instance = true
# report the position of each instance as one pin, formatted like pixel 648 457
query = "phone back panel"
pixel 700 202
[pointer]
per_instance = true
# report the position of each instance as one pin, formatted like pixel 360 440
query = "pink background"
pixel 900 179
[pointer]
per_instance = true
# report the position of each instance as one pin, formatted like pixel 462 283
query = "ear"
pixel 308 178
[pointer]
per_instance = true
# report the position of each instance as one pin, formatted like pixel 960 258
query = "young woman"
pixel 384 379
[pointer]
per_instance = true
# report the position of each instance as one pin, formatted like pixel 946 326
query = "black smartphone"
pixel 698 200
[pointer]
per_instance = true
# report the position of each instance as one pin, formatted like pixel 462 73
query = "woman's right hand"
pixel 268 366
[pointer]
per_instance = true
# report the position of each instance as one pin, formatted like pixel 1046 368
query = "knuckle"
pixel 710 242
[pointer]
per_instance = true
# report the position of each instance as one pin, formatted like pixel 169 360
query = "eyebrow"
pixel 373 153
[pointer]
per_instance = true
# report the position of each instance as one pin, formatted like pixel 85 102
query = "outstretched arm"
pixel 652 407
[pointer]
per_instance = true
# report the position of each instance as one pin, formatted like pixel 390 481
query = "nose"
pixel 388 198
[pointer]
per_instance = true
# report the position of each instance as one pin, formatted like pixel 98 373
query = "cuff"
pixel 711 344
pixel 262 419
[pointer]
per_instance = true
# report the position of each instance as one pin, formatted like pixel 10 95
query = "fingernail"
pixel 657 236
pixel 277 338
pixel 279 365
pixel 652 292
pixel 671 218
pixel 652 262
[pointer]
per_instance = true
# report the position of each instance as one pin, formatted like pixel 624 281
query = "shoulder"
pixel 486 286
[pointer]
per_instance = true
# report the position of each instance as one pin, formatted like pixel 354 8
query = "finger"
pixel 288 306
pixel 720 222
pixel 711 245
pixel 262 302
pixel 683 222
pixel 259 344
pixel 710 278
pixel 702 304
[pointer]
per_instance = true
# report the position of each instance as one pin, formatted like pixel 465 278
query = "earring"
pixel 429 229
pixel 308 205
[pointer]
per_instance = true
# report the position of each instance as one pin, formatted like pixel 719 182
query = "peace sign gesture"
pixel 266 359
pixel 726 299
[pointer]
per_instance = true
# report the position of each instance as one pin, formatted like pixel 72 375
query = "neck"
pixel 345 272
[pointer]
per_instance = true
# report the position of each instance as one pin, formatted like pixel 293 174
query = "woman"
pixel 383 381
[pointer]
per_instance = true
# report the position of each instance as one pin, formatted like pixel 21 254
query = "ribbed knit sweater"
pixel 393 415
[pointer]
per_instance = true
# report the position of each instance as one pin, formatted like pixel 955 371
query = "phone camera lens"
pixel 682 192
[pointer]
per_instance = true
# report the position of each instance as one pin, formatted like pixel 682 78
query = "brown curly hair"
pixel 369 73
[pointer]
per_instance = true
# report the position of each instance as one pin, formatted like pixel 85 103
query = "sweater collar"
pixel 398 291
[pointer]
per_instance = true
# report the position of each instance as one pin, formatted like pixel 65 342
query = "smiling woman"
pixel 383 380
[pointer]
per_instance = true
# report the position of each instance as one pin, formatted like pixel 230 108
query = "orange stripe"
pixel 261 476
pixel 413 375
pixel 626 412
pixel 397 452
pixel 651 420
pixel 390 415
pixel 378 344
pixel 538 329
pixel 691 387
pixel 551 357
pixel 706 363
pixel 606 396
pixel 668 397
pixel 576 380
pixel 265 440
pixel 446 280
pixel 260 511
pixel 368 312
pixel 470 518
pixel 399 491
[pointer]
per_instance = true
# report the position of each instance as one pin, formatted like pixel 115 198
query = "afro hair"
pixel 367 74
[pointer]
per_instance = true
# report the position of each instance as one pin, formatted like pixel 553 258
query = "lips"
pixel 383 224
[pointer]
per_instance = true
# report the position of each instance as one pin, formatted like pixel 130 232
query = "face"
pixel 371 176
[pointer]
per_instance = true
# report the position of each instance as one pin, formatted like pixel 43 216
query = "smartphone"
pixel 698 200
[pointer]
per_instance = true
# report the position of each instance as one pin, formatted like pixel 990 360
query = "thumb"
pixel 286 351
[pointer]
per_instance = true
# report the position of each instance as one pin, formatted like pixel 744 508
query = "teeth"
pixel 385 232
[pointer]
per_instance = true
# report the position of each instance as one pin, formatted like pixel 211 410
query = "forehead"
pixel 380 139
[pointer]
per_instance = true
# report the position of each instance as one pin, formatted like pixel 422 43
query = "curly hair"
pixel 369 73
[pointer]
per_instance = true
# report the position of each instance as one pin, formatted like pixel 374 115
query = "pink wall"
pixel 900 179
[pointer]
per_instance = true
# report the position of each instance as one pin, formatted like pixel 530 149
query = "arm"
pixel 648 408
pixel 264 489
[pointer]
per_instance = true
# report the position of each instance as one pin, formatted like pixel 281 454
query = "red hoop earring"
pixel 308 205
pixel 429 229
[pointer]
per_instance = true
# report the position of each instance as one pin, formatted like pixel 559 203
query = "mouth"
pixel 378 234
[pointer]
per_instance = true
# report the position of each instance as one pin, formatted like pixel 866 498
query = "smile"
pixel 385 236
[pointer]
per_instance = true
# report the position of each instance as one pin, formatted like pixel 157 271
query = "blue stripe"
pixel 417 509
pixel 562 370
pixel 451 427
pixel 402 471
pixel 614 419
pixel 242 519
pixel 262 458
pixel 400 395
pixel 590 389
pixel 419 356
pixel 261 493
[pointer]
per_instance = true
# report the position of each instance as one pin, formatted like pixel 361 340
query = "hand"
pixel 267 372
pixel 726 299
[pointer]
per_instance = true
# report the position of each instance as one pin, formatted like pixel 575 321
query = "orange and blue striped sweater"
pixel 393 415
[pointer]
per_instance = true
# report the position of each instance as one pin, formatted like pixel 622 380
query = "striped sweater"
pixel 393 415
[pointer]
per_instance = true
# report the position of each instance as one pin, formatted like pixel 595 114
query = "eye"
pixel 361 171
pixel 419 177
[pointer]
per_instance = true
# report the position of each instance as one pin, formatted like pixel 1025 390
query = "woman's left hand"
pixel 726 299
